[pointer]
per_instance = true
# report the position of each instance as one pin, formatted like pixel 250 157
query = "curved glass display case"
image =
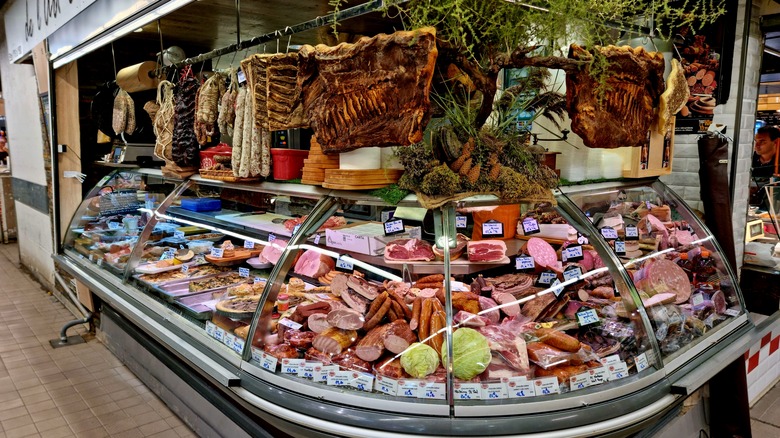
pixel 334 305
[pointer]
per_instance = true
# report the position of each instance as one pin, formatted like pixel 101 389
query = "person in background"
pixel 3 148
pixel 767 142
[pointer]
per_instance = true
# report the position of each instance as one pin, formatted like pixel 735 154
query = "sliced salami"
pixel 664 276
pixel 543 253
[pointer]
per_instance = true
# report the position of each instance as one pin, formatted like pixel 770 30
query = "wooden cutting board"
pixel 347 179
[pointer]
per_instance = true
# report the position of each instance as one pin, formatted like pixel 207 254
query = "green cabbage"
pixel 419 360
pixel 470 353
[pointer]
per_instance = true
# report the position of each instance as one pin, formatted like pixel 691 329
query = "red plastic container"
pixel 288 163
pixel 207 155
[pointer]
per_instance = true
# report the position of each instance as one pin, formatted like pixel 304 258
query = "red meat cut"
pixel 409 249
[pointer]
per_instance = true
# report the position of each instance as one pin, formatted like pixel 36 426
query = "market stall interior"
pixel 472 293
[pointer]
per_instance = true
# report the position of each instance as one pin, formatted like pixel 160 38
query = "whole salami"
pixel 185 144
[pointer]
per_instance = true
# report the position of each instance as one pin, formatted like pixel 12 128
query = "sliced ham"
pixel 486 250
pixel 355 301
pixel 313 264
pixel 347 319
pixel 408 250
pixel 363 287
pixel 318 322
pixel 273 251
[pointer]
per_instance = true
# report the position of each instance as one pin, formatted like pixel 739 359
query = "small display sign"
pixel 394 226
pixel 292 366
pixel 243 272
pixel 572 273
pixel 386 385
pixel 641 362
pixel 344 265
pixel 431 391
pixel 587 317
pixel 217 252
pixel 547 386
pixel 632 232
pixel 468 391
pixel 178 234
pixel 307 370
pixel 317 239
pixel 557 290
pixel 546 278
pixel 271 237
pixel 609 233
pixel 530 226
pixel 493 228
pixel 620 247
pixel 520 387
pixel 248 244
pixel 461 221
pixel 185 269
pixel 524 263
pixel 296 228
pixel 572 253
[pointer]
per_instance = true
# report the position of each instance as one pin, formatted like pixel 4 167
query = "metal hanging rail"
pixel 355 11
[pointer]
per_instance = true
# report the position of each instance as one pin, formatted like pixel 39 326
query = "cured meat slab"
pixel 623 115
pixel 371 93
pixel 284 97
pixel 486 250
pixel 664 276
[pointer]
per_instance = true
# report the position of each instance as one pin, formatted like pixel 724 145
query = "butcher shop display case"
pixel 477 315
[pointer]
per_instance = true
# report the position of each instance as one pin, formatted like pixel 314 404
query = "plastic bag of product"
pixel 547 356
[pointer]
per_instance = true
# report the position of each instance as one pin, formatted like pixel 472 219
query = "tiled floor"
pixel 765 415
pixel 80 390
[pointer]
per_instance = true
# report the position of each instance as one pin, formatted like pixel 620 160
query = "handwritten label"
pixel 632 232
pixel 362 381
pixel 641 362
pixel 321 373
pixel 268 362
pixel 493 391
pixel 185 269
pixel 524 263
pixel 238 345
pixel 290 324
pixel 210 328
pixel 178 234
pixel 344 265
pixel 546 278
pixel 339 378
pixel 731 312
pixel 572 273
pixel 468 391
pixel 431 390
pixel 317 239
pixel 258 280
pixel 408 388
pixel 296 228
pixel 520 387
pixel 618 371
pixel 587 317
pixel 168 254
pixel 217 253
pixel 580 381
pixel 100 262
pixel 557 290
pixel 547 386
pixel 292 366
pixel 271 237
pixel 219 334
pixel 461 221
pixel 114 225
pixel 241 76
pixel 307 370
pixel 386 385
pixel 609 233
pixel 530 226
pixel 257 354
pixel 243 272
pixel 598 375
pixel 492 228
pixel 395 226
pixel 697 299
pixel 611 360
pixel 248 244
pixel 620 247
pixel 572 253
pixel 229 340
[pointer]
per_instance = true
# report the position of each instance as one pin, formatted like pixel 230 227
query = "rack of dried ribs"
pixel 620 111
pixel 371 93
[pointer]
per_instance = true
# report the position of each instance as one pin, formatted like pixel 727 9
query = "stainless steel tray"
pixel 193 306
pixel 179 289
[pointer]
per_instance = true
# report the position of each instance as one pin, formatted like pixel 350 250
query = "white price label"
pixel 248 244
pixel 114 225
pixel 168 254
pixel 620 247
pixel 243 272
pixel 289 323
pixel 530 226
pixel 557 290
pixel 258 280
pixel 344 264
pixel 598 375
pixel 732 312
pixel 317 239
pixel 580 381
pixel 362 381
pixel 611 360
pixel 227 339
pixel 697 299
pixel 217 253
pixel 520 387
pixel 572 253
pixel 178 234
pixel 431 390
pixel 238 345
pixel 386 385
pixel 296 228
pixel 587 317
pixel 461 221
pixel 292 366
pixel 257 354
pixel 493 391
pixel 100 262
pixel 241 77
pixel 210 328
pixel 185 269
pixel 492 228
pixel 92 257
pixel 547 386
pixel 572 273
pixel 609 233
pixel 641 362
pixel 339 378
pixel 632 232
pixel 618 371
pixel 271 238
pixel 408 388
pixel 468 391
pixel 394 227
pixel 307 370
pixel 523 263
pixel 219 334
pixel 321 373
pixel 268 362
pixel 547 277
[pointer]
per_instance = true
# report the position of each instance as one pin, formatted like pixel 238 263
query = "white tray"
pixel 149 269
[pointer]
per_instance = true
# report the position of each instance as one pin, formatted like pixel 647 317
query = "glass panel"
pixel 108 223
pixel 676 265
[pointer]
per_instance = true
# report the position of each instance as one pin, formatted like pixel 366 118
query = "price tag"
pixel 248 244
pixel 468 391
pixel 641 362
pixel 296 228
pixel 219 334
pixel 493 228
pixel 697 299
pixel 210 327
pixel 362 381
pixel 292 366
pixel 547 386
pixel 289 323
pixel 431 390
pixel 258 280
pixel 238 345
pixel 229 339
pixel 611 360
pixel 394 226
pixel 609 233
pixel 598 375
pixel 100 262
pixel 178 234
pixel 530 226
pixel 339 378
pixel 92 258
pixel 620 247
pixel 271 237
pixel 386 385
pixel 241 76
pixel 268 362
pixel 618 371
pixel 572 253
pixel 344 265
pixel 185 269
pixel 415 233
pixel 217 253
pixel 321 373
pixel 408 388
pixel 317 239
pixel 632 232
pixel 546 278
pixel 243 272
pixel 524 263
pixel 557 290
pixel 572 273
pixel 114 225
pixel 386 215
pixel 731 312
pixel 587 317
pixel 493 391
pixel 580 381
pixel 520 387
pixel 168 254
pixel 257 354
pixel 461 221
pixel 307 370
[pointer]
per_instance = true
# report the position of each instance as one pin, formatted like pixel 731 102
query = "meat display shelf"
pixel 533 378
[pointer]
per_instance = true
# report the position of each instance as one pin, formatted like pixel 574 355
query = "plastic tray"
pixel 147 269
pixel 173 291
pixel 199 306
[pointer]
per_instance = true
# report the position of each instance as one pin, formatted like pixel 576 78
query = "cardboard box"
pixel 365 238
pixel 85 296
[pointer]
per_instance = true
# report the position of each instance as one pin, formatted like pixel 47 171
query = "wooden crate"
pixel 655 158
